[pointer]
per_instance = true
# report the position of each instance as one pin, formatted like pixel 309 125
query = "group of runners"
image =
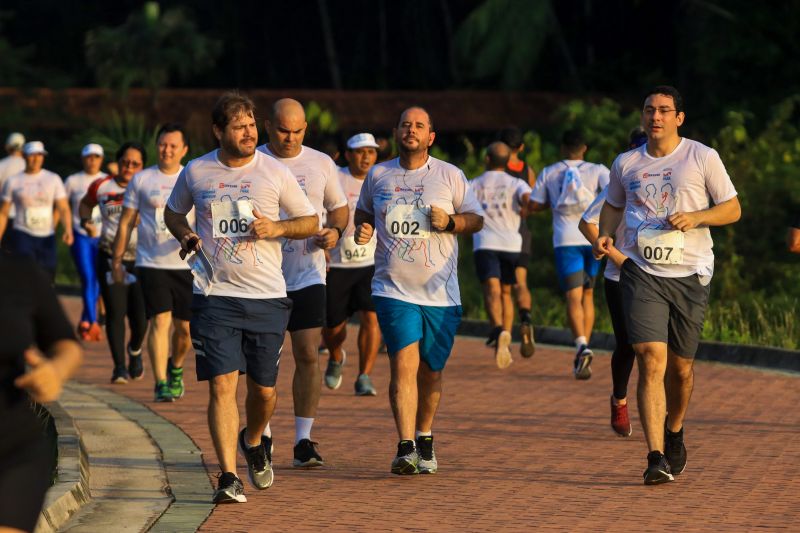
pixel 250 241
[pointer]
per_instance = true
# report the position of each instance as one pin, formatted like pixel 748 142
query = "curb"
pixel 71 491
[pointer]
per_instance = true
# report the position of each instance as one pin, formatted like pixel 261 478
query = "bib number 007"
pixel 661 247
pixel 657 253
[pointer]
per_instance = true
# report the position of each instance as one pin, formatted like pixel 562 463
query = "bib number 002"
pixel 232 219
pixel 408 221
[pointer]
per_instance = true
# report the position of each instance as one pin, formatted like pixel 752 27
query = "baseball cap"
pixel 92 149
pixel 15 140
pixel 34 147
pixel 361 140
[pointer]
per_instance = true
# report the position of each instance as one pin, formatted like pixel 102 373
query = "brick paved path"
pixel 522 449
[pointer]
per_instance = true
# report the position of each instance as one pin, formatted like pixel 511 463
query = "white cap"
pixel 92 149
pixel 361 140
pixel 34 147
pixel 15 140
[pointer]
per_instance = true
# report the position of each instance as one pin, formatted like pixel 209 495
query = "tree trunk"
pixel 330 47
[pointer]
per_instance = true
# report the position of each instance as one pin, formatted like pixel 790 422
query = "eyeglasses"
pixel 131 164
pixel 650 110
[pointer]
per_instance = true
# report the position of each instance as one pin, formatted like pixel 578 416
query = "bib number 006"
pixel 232 219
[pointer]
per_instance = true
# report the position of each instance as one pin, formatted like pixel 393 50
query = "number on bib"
pixel 356 253
pixel 408 221
pixel 661 247
pixel 39 218
pixel 161 226
pixel 232 219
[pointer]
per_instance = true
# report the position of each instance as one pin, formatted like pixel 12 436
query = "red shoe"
pixel 620 422
pixel 83 331
pixel 95 332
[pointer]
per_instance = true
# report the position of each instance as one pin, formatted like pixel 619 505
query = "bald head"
pixel 497 156
pixel 286 127
pixel 287 108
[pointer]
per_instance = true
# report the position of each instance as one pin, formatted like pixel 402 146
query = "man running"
pixel 239 308
pixel 35 193
pixel 497 246
pixel 166 279
pixel 85 246
pixel 793 236
pixel 416 205
pixel 351 268
pixel 569 186
pixel 665 190
pixel 304 263
pixel 10 165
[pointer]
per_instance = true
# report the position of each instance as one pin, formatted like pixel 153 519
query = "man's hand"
pixel 326 238
pixel 363 233
pixel 42 380
pixel 190 243
pixel 264 228
pixel 602 246
pixel 91 230
pixel 439 218
pixel 117 272
pixel 684 221
pixel 68 238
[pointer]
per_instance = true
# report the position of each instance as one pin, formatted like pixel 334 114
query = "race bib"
pixel 39 218
pixel 161 226
pixel 232 219
pixel 97 216
pixel 356 253
pixel 408 221
pixel 661 247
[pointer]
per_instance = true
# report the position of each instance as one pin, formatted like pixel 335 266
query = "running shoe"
pixel 120 376
pixel 305 454
pixel 175 377
pixel 427 457
pixel 229 489
pixel 135 364
pixel 620 422
pixel 95 333
pixel 83 331
pixel 583 360
pixel 162 392
pixel 674 450
pixel 364 386
pixel 493 335
pixel 333 373
pixel 658 470
pixel 405 464
pixel 502 352
pixel 259 461
pixel 528 346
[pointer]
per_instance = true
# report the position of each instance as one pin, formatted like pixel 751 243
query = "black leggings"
pixel 121 300
pixel 623 356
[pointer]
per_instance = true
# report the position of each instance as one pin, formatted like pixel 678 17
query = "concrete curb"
pixel 71 490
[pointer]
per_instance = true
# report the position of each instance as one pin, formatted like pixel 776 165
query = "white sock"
pixel 302 428
pixel 580 341
pixel 419 434
pixel 267 431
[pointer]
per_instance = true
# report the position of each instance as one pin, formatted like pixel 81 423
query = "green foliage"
pixel 114 130
pixel 320 120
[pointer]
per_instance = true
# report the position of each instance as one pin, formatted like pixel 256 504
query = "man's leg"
pixel 158 344
pixel 306 381
pixel 369 339
pixel 493 302
pixel 507 306
pixel 181 342
pixel 575 316
pixel 652 359
pixel 524 300
pixel 679 384
pixel 403 392
pixel 223 418
pixel 429 387
pixel 334 339
pixel 587 306
pixel 259 406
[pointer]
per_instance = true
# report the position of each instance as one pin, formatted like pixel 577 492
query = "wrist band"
pixel 339 231
pixel 451 225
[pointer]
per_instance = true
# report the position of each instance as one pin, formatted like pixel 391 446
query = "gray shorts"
pixel 658 309
pixel 243 334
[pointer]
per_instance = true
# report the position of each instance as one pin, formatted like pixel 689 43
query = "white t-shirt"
pixel 500 195
pixel 244 267
pixel 548 189
pixel 413 263
pixel 347 254
pixel 76 186
pixel 107 194
pixel 316 173
pixel 33 196
pixel 148 193
pixel 592 216
pixel 10 165
pixel 653 188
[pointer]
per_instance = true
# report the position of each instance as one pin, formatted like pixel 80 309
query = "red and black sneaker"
pixel 620 422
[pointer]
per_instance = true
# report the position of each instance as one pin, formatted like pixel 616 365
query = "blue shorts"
pixel 404 323
pixel 496 264
pixel 576 267
pixel 243 334
pixel 41 249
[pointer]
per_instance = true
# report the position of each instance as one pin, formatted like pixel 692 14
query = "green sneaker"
pixel 175 376
pixel 162 392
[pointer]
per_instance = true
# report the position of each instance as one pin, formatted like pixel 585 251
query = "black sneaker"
pixel 305 454
pixel 259 461
pixel 120 376
pixel 582 364
pixel 674 450
pixel 135 365
pixel 427 463
pixel 658 470
pixel 229 489
pixel 495 333
pixel 407 459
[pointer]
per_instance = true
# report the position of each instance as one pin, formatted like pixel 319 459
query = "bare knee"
pixel 261 393
pixel 223 387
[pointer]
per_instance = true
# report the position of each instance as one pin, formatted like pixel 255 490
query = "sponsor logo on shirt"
pixel 228 186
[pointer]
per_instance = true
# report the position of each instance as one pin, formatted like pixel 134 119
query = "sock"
pixel 525 315
pixel 419 434
pixel 267 431
pixel 134 353
pixel 580 341
pixel 302 428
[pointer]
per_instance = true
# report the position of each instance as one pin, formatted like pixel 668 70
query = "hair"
pixel 511 136
pixel 668 90
pixel 136 145
pixel 637 137
pixel 229 106
pixel 171 127
pixel 430 119
pixel 573 139
pixel 498 153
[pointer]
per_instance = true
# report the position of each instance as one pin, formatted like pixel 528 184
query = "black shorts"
pixel 349 290
pixel 308 308
pixel 25 475
pixel 523 260
pixel 243 334
pixel 496 264
pixel 166 290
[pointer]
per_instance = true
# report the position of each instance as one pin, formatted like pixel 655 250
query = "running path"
pixel 528 447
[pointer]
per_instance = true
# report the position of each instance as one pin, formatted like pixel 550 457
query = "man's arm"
pixel 793 240
pixel 62 208
pixel 5 208
pixel 365 224
pixel 591 232
pixel 327 237
pixel 458 223
pixel 127 221
pixel 721 214
pixel 610 217
pixel 179 226
pixel 293 228
pixel 535 207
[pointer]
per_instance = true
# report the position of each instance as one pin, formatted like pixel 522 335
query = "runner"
pixel 12 164
pixel 569 186
pixel 84 248
pixel 664 190
pixel 497 247
pixel 165 278
pixel 126 298
pixel 416 205
pixel 350 276
pixel 35 193
pixel 304 263
pixel 239 307
pixel 793 236
pixel 518 168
